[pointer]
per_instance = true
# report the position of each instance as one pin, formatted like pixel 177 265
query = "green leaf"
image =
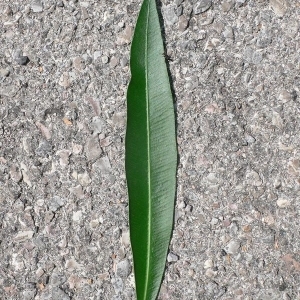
pixel 151 155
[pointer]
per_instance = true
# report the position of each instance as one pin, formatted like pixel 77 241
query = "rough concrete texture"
pixel 64 207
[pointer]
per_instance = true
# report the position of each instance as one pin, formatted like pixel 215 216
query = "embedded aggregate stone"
pixel 64 73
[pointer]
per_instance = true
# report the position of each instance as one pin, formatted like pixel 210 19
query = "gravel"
pixel 64 72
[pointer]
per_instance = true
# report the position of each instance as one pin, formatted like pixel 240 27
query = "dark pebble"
pixel 22 60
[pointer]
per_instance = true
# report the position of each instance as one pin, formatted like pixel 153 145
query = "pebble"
pixel 105 59
pixel 4 72
pixel 211 273
pixel 123 268
pixel 249 139
pixel 181 205
pixel 76 148
pixel 283 203
pixel 44 149
pixel 208 20
pixel 37 6
pixel 84 13
pixel 24 235
pixel 60 3
pixel 121 24
pixel 116 233
pixel 253 178
pixel 211 44
pixel 291 28
pixel 97 54
pixel 279 7
pixel 114 62
pixel 232 247
pixel 227 5
pixel 189 208
pixel 125 239
pixel 117 284
pixel 15 174
pixel 179 10
pixel 126 35
pixel 277 120
pixel 118 119
pixel 240 3
pixel 92 148
pixel 214 221
pixel 285 96
pixel 124 62
pixel 201 6
pixel 212 178
pixel 172 257
pixel 25 175
pixel 84 179
pixel 170 16
pixel 179 2
pixel 22 60
pixel 57 293
pixel 202 35
pixel 78 63
pixel 65 80
pixel 44 130
pixel 103 165
pixel 29 294
pixel 55 203
pixel 97 125
pixel 208 264
pixel 77 216
pixel 64 157
pixel 257 57
pixel 183 23
pixel 228 32
pixel 94 223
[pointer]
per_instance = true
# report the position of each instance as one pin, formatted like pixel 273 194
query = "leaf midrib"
pixel 148 155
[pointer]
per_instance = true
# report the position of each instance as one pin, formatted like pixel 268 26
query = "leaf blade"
pixel 151 155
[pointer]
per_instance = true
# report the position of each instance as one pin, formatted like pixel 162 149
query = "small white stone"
pixel 125 238
pixel 4 72
pixel 210 273
pixel 94 223
pixel 77 216
pixel 208 264
pixel 105 59
pixel 249 139
pixel 39 272
pixel 65 80
pixel 72 264
pixel 97 54
pixel 77 149
pixel 24 235
pixel 214 221
pixel 279 7
pixel 84 179
pixel 211 177
pixel 37 6
pixel 181 205
pixel 123 268
pixel 40 202
pixel 64 157
pixel 253 178
pixel 172 257
pixel 121 24
pixel 285 96
pixel 283 203
pixel 232 247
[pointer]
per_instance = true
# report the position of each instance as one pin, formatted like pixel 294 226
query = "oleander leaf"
pixel 151 154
